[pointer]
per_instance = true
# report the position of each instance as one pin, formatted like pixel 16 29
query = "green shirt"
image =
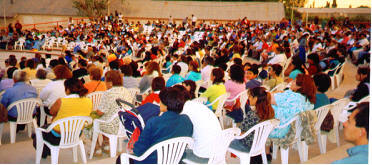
pixel 213 92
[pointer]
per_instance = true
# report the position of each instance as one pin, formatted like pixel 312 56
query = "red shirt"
pixel 151 98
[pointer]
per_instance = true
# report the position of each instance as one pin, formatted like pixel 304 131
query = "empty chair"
pixel 261 133
pixel 70 129
pixel 168 152
pixel 336 110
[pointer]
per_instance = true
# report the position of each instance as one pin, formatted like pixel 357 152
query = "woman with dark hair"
pixel 175 78
pixel 313 61
pixel 190 87
pixel 362 89
pixel 300 97
pixel 322 82
pixel 30 69
pixel 95 84
pixel 217 89
pixel 128 79
pixel 295 67
pixel 55 89
pixel 261 100
pixel 275 78
pixel 73 104
pixel 40 81
pixel 193 74
pixel 169 125
pixel 236 84
pixel 157 85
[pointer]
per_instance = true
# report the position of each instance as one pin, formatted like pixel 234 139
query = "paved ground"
pixel 22 151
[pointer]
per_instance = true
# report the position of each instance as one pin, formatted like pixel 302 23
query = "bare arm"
pixel 55 107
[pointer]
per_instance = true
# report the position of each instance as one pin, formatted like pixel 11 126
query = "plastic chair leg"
pixel 82 152
pixel 1 131
pixel 93 145
pixel 305 151
pixel 300 151
pixel 284 155
pixel 244 159
pixel 120 144
pixel 337 136
pixel 113 145
pixel 29 129
pixel 264 158
pixel 39 151
pixel 42 117
pixel 275 151
pixel 324 143
pixel 54 154
pixel 74 153
pixel 13 129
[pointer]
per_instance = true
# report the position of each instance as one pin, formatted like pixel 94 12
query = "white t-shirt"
pixel 206 128
pixel 278 59
pixel 53 91
pixel 194 19
pixel 206 75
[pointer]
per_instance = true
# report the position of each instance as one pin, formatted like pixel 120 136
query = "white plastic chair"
pixel 70 129
pixel 113 139
pixel 234 99
pixel 333 76
pixel 220 113
pixel 339 74
pixel 25 109
pixel 279 87
pixel 96 98
pixel 219 155
pixel 261 133
pixel 321 113
pixel 168 152
pixel 336 110
pixel 284 152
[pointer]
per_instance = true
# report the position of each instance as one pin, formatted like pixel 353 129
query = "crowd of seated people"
pixel 172 64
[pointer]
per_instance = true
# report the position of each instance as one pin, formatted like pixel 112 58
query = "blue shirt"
pixel 168 125
pixel 252 84
pixel 357 155
pixel 294 74
pixel 321 100
pixel 19 91
pixel 194 76
pixel 174 79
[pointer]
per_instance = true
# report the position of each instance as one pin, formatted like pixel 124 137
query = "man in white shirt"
pixel 193 19
pixel 206 130
pixel 206 71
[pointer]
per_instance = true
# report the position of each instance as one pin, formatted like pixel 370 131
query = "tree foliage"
pixel 90 8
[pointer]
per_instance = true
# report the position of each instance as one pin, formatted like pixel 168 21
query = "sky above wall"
pixel 340 3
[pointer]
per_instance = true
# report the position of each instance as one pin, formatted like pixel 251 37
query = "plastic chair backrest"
pixel 364 99
pixel 25 109
pixel 338 107
pixel 321 113
pixel 96 98
pixel 261 133
pixel 227 135
pixel 279 87
pixel 221 101
pixel 243 100
pixel 171 151
pixel 70 129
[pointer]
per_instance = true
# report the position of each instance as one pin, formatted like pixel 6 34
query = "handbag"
pixel 328 122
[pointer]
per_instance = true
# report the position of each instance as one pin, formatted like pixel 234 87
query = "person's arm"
pixel 55 107
pixel 273 102
pixel 5 99
pixel 44 93
pixel 289 69
pixel 145 139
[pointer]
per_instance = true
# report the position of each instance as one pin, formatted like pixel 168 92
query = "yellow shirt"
pixel 30 72
pixel 73 107
pixel 213 92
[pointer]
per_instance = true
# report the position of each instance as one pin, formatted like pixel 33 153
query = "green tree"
pixel 334 4
pixel 90 8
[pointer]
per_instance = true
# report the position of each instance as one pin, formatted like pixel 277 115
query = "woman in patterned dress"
pixel 108 107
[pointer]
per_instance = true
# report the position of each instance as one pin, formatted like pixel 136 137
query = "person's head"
pixel 83 63
pixel 305 85
pixel 10 72
pixel 322 82
pixel 126 70
pixel 297 62
pixel 114 65
pixel 75 86
pixel 95 73
pixel 113 78
pixel 251 73
pixel 158 84
pixel 151 67
pixel 41 74
pixel 362 74
pixel 31 64
pixel 12 61
pixel 20 76
pixel 217 76
pixel 313 59
pixel 356 128
pixel 171 100
pixel 193 66
pixel 183 91
pixel 208 60
pixel 238 61
pixel 276 69
pixel 261 99
pixel 176 69
pixel 62 72
pixel 190 87
pixel 237 73
pixel 53 63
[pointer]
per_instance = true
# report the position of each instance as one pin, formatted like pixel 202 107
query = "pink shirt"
pixel 234 88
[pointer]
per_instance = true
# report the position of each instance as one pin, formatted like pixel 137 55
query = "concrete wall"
pixel 260 11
